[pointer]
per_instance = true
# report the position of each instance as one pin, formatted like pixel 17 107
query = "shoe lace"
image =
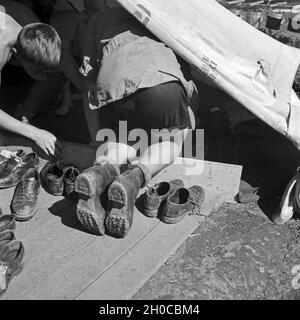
pixel 153 187
pixel 72 175
pixel 10 163
pixel 26 190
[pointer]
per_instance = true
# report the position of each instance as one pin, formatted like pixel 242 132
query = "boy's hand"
pixel 48 143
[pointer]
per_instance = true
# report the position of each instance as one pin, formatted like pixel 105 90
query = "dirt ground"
pixel 237 253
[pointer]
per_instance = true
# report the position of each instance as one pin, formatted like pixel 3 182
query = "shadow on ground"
pixel 66 211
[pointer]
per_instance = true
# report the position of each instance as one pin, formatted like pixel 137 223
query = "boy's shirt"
pixel 118 56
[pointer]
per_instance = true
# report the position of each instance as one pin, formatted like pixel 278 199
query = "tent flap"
pixel 253 68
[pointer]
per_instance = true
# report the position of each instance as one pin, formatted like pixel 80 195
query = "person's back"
pixel 112 47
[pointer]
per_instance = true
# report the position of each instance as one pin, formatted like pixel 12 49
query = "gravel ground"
pixel 237 253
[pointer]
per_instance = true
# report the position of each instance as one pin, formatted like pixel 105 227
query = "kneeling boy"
pixel 130 76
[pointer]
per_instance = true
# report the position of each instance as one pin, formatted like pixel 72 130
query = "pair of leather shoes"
pixel 11 258
pixel 107 198
pixel 172 202
pixel 6 154
pixel 24 201
pixel 12 170
pixel 59 179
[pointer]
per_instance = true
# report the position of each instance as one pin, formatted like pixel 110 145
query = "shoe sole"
pixel 90 218
pixel 85 184
pixel 174 220
pixel 22 218
pixel 56 194
pixel 117 223
pixel 7 186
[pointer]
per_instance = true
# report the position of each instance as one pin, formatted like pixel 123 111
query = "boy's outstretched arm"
pixel 44 139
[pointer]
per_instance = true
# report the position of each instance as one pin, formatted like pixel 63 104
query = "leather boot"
pixel 90 186
pixel 122 196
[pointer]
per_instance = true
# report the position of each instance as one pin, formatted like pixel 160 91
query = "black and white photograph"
pixel 149 154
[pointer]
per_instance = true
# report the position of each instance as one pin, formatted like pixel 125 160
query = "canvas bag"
pixel 255 69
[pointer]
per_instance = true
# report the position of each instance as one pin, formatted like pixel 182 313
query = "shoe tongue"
pixel 71 175
pixel 54 173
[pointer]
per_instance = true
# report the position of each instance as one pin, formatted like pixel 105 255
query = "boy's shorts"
pixel 165 106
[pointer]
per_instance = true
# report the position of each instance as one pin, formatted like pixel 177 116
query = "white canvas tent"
pixel 255 69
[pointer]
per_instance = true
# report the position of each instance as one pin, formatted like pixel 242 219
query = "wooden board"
pixel 63 261
pixel 123 279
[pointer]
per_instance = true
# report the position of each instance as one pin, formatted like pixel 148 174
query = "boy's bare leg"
pixel 116 153
pixel 124 190
pixel 158 156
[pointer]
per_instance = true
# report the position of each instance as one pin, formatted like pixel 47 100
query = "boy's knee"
pixel 114 152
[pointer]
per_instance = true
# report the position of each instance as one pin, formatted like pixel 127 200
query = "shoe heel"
pixel 172 220
pixel 116 225
pixel 151 213
pixel 85 184
pixel 90 220
pixel 117 195
pixel 116 222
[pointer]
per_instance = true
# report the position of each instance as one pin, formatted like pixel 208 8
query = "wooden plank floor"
pixel 64 261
